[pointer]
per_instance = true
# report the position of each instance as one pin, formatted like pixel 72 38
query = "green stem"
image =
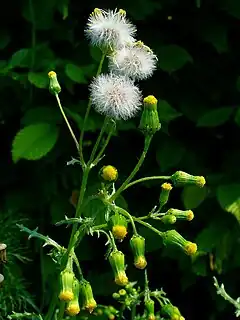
pixel 98 141
pixel 66 120
pixel 95 162
pixel 135 170
pixel 128 215
pixel 52 307
pixel 133 312
pixel 61 310
pixel 146 179
pixel 149 226
pixel 87 113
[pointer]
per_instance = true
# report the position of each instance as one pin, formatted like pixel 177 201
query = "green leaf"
pixel 95 53
pixel 169 153
pixel 40 13
pixel 38 79
pixel 217 36
pixel 4 39
pixel 75 73
pixel 34 142
pixel 21 58
pixel 229 198
pixel 232 7
pixel 193 196
pixel 215 117
pixel 166 112
pixel 237 117
pixel 173 57
pixel 41 114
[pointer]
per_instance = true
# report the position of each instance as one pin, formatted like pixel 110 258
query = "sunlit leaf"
pixel 34 141
pixel 229 198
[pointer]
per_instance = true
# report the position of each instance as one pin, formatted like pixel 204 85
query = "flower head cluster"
pixel 109 29
pixel 115 96
pixel 135 60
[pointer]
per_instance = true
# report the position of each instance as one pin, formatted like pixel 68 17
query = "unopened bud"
pixel 171 312
pixel 137 244
pixel 54 86
pixel 118 224
pixel 172 237
pixel 108 174
pixel 116 296
pixel 149 305
pixel 169 219
pixel 149 123
pixel 66 285
pixel 122 292
pixel 73 308
pixel 181 178
pixel 117 262
pixel 88 301
pixel 164 195
pixel 181 214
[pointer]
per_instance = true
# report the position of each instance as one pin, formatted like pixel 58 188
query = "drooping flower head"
pixel 134 60
pixel 109 29
pixel 115 96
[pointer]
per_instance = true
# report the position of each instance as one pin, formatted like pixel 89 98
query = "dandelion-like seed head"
pixel 134 60
pixel 109 29
pixel 115 96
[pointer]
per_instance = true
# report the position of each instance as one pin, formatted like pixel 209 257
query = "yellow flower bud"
pixel 164 195
pixel 181 214
pixel 171 312
pixel 137 244
pixel 88 301
pixel 108 174
pixel 54 86
pixel 172 237
pixel 117 262
pixel 66 285
pixel 149 123
pixel 181 178
pixel 118 224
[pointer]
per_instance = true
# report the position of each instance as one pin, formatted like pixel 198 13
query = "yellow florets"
pixel 151 317
pixel 167 186
pixel 73 309
pixel 122 12
pixel 190 248
pixel 140 262
pixel 109 173
pixel 91 305
pixel 150 100
pixel 52 74
pixel 119 232
pixel 121 279
pixel 66 295
pixel 200 181
pixel 175 317
pixel 190 215
pixel 111 317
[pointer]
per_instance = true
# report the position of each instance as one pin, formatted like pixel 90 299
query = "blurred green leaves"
pixel 229 198
pixel 173 57
pixel 214 118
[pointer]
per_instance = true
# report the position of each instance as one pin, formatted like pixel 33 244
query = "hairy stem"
pixel 66 120
pixel 98 140
pixel 87 114
pixel 135 170
pixel 146 179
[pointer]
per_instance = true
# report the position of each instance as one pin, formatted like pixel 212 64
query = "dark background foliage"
pixel 198 87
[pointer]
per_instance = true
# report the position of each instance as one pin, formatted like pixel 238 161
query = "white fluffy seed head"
pixel 109 29
pixel 115 96
pixel 135 60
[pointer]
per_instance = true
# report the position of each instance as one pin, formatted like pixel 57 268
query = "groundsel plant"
pixel 116 96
